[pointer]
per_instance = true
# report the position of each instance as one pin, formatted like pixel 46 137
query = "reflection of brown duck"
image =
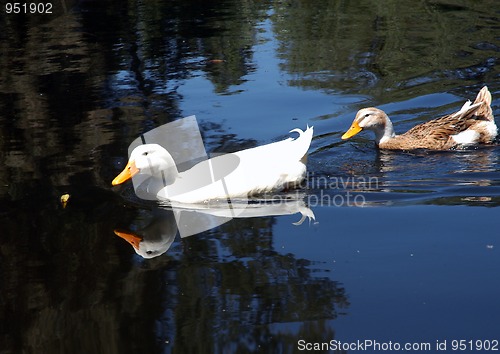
pixel 473 124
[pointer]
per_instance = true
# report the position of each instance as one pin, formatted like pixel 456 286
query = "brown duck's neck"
pixel 385 132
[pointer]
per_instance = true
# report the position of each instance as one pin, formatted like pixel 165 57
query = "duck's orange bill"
pixel 131 238
pixel 128 172
pixel 353 130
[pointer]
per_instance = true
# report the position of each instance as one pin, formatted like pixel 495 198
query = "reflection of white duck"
pixel 262 169
pixel 158 235
pixel 155 238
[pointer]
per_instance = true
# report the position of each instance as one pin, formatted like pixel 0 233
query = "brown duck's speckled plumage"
pixel 436 134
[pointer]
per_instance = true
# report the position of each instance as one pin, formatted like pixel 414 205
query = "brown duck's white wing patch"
pixel 467 137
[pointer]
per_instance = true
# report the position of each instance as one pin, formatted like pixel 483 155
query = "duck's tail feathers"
pixel 484 96
pixel 303 140
pixel 480 109
pixel 484 99
pixel 467 109
pixel 306 214
pixel 308 131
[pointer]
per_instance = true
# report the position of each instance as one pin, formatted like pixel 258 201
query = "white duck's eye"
pixel 145 153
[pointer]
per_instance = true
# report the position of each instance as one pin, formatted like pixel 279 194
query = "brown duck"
pixel 472 125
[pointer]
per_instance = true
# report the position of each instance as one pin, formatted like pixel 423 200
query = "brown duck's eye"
pixel 367 115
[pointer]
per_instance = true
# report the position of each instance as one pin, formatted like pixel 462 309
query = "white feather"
pixel 491 128
pixel 467 137
pixel 464 108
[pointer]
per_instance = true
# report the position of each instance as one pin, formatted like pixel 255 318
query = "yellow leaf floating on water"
pixel 64 200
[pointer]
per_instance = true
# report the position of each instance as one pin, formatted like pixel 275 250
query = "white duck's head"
pixel 149 160
pixel 374 119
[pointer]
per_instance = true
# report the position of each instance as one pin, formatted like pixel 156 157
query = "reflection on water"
pixel 385 50
pixel 76 87
pixel 154 237
pixel 468 177
pixel 459 177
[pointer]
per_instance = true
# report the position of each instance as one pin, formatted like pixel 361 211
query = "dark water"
pixel 414 259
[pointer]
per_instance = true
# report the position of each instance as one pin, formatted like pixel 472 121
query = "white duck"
pixel 262 169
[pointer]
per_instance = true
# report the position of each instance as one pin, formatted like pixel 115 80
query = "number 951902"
pixel 28 8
